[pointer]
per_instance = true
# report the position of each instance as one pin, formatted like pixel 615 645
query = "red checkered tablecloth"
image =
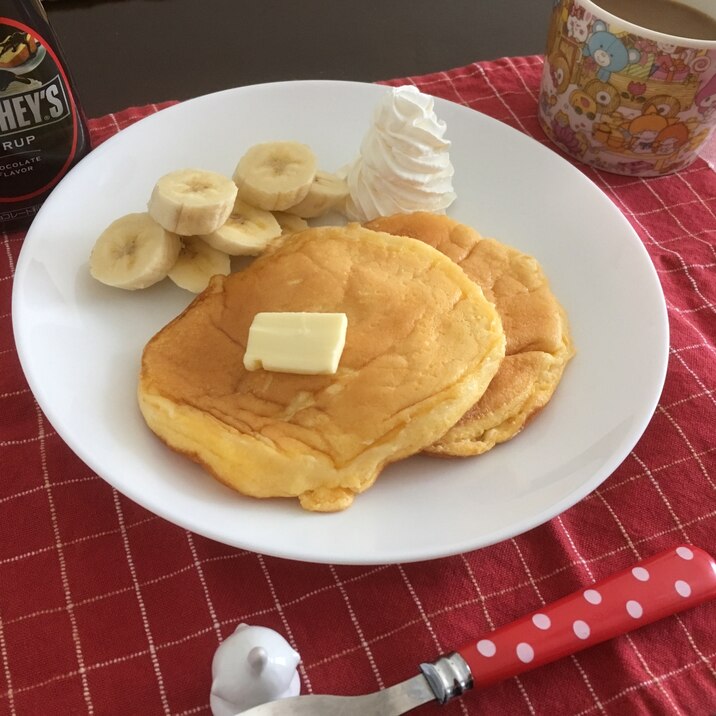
pixel 108 609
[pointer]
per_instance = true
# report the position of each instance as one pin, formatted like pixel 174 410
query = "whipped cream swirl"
pixel 404 162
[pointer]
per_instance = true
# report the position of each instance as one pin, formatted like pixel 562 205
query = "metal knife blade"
pixel 392 701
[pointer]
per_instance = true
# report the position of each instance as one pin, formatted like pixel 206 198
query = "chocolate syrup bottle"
pixel 42 131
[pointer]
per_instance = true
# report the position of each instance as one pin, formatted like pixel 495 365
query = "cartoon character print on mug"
pixel 623 99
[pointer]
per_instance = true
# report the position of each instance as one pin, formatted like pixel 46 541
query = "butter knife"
pixel 667 583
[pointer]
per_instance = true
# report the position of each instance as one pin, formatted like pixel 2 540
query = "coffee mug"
pixel 624 98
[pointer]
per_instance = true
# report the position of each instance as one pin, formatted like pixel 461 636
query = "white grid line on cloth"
pixel 651 674
pixel 678 238
pixel 618 199
pixel 10 260
pixel 577 553
pixel 670 530
pixel 604 489
pixel 421 609
pixel 182 570
pixel 186 638
pixel 39 488
pixel 456 75
pixel 421 84
pixel 480 599
pixel 654 241
pixel 682 349
pixel 572 657
pixel 114 592
pixel 691 641
pixel 75 672
pixel 685 312
pixel 24 441
pixel 195 710
pixel 644 684
pixel 317 590
pixel 140 603
pixel 681 204
pixel 425 619
pixel 225 557
pixel 678 270
pixel 359 630
pixel 204 586
pixel 498 96
pixel 68 543
pixel 62 562
pixel 441 81
pixel 79 603
pixel 669 211
pixel 619 524
pixel 129 117
pixel 284 620
pixel 583 562
pixel 686 537
pixel 628 636
pixel 519 76
pixel 353 649
pixel 14 239
pixel 6 670
pixel 696 194
pixel 491 623
pixel 686 440
pixel 591 576
pixel 664 498
pixel 13 393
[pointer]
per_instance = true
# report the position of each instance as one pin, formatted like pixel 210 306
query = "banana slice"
pixel 246 232
pixel 133 252
pixel 326 192
pixel 197 263
pixel 192 201
pixel 275 175
pixel 289 223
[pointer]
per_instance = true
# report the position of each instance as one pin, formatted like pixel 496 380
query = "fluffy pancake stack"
pixel 423 344
pixel 453 342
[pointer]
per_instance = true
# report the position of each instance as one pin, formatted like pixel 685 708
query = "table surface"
pixel 133 52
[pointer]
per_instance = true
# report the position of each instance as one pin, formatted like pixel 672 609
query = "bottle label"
pixel 38 116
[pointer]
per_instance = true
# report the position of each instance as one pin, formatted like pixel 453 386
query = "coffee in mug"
pixel 667 16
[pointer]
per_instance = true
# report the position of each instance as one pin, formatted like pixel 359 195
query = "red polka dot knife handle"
pixel 655 588
pixel 665 584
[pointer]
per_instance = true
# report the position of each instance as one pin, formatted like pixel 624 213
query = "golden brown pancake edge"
pixel 539 343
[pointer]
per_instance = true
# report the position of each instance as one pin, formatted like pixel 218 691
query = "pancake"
pixel 422 345
pixel 536 328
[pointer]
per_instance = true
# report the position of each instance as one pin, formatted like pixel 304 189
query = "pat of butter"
pixel 309 343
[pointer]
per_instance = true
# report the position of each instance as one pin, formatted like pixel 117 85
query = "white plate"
pixel 80 342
